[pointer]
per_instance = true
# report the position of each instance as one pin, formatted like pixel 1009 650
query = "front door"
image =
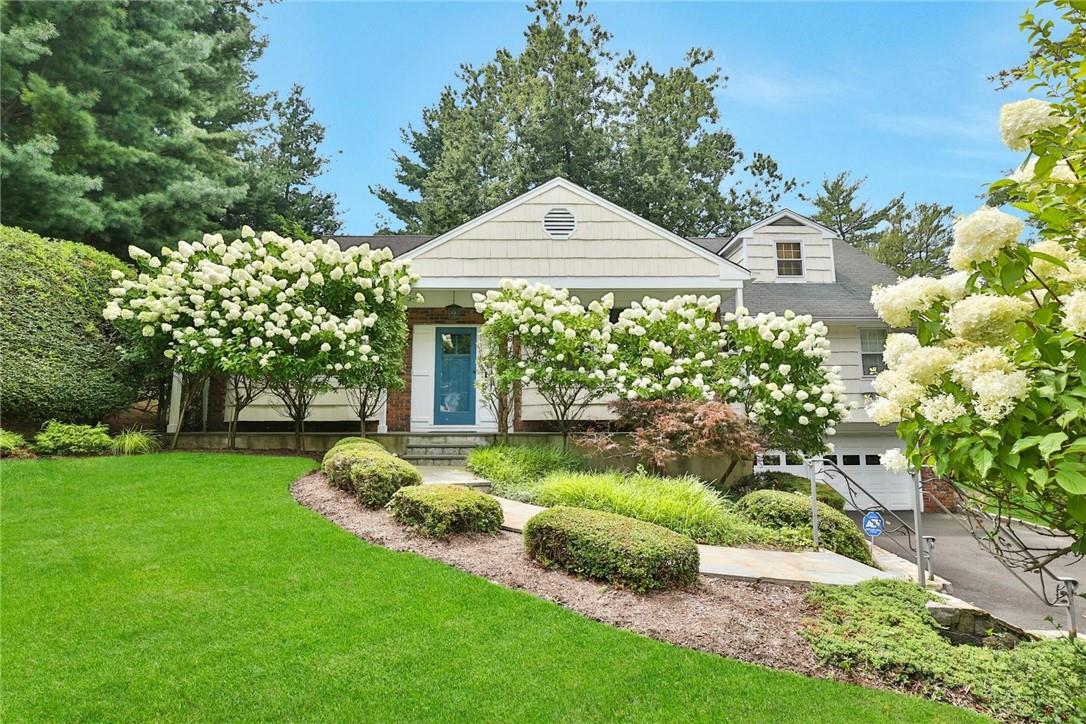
pixel 454 376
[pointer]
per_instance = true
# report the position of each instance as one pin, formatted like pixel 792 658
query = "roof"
pixel 848 299
pixel 398 243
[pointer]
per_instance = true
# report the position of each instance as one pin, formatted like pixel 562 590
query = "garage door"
pixel 858 457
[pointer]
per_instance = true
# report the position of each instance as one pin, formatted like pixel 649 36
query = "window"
pixel 872 460
pixel 789 259
pixel 850 460
pixel 872 343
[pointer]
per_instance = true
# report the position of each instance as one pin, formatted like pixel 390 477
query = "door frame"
pixel 471 413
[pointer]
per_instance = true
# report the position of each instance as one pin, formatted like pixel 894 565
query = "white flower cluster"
pixel 1074 311
pixel 1027 173
pixel 895 304
pixel 1021 119
pixel 894 461
pixel 986 318
pixel 981 235
pixel 261 297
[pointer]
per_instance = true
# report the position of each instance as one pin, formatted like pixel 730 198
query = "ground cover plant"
pixel 60 438
pixel 612 548
pixel 515 470
pixel 134 442
pixel 779 509
pixel 882 625
pixel 12 443
pixel 441 510
pixel 257 608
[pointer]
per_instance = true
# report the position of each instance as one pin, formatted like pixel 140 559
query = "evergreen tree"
pixel 282 170
pixel 122 122
pixel 917 240
pixel 837 207
pixel 570 106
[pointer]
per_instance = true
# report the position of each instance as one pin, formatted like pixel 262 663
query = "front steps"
pixel 447 449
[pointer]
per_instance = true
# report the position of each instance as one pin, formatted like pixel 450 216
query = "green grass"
pixel 191 586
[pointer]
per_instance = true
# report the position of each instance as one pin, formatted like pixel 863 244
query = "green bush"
pixel 515 470
pixel 376 475
pixel 60 355
pixel 11 442
pixel 780 480
pixel 134 442
pixel 778 509
pixel 882 626
pixel 440 510
pixel 612 548
pixel 58 438
pixel 337 462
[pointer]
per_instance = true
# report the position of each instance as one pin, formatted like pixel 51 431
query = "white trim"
pixel 833 260
pixel 860 349
pixel 605 283
pixel 827 233
pixel 559 182
pixel 175 403
pixel 797 279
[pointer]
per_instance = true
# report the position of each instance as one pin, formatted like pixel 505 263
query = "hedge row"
pixel 778 509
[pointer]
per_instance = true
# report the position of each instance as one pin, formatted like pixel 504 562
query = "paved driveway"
pixel 979 578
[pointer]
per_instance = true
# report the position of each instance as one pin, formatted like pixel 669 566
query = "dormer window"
pixel 789 260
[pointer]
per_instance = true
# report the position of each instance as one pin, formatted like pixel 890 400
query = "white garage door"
pixel 858 457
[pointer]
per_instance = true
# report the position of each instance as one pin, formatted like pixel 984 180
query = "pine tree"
pixel 917 240
pixel 855 223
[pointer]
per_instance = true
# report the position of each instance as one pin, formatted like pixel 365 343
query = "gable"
pixel 593 243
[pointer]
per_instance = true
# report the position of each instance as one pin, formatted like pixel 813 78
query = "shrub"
pixel 376 475
pixel 778 509
pixel 515 470
pixel 780 480
pixel 882 626
pixel 60 355
pixel 612 548
pixel 337 462
pixel 10 441
pixel 439 510
pixel 134 442
pixel 352 441
pixel 58 438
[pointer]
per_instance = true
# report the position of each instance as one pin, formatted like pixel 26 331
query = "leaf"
pixel 1073 481
pixel 982 458
pixel 1050 443
pixel 1026 443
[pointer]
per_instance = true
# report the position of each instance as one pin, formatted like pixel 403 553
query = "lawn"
pixel 191 586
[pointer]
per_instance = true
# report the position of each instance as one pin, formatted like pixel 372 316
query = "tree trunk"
pixel 232 442
pixel 186 400
pixel 298 434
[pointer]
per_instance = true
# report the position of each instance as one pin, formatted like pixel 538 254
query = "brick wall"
pixel 937 489
pixel 399 401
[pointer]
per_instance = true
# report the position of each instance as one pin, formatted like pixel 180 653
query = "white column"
pixel 175 403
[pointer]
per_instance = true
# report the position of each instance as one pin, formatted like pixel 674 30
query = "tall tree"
pixel 917 240
pixel 568 105
pixel 122 121
pixel 282 168
pixel 838 208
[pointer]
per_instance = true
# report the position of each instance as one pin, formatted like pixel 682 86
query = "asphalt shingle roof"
pixel 398 243
pixel 847 299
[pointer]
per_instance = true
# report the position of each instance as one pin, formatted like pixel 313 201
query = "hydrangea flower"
pixel 1021 119
pixel 981 235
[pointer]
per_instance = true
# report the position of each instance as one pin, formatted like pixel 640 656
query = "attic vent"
pixel 559 223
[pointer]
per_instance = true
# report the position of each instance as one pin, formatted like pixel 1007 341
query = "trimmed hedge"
pixel 612 548
pixel 59 438
pixel 351 441
pixel 514 471
pixel 780 480
pixel 369 471
pixel 776 508
pixel 60 355
pixel 440 510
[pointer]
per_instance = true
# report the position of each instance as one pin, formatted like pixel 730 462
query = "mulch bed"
pixel 759 623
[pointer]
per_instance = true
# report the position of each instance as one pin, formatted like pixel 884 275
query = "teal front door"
pixel 454 376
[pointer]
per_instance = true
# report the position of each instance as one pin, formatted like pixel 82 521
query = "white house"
pixel 566 236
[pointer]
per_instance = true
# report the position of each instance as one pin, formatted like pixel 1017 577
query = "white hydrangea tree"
pixel 990 388
pixel 299 314
pixel 546 339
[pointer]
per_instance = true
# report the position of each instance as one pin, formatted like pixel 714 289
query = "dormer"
pixel 785 248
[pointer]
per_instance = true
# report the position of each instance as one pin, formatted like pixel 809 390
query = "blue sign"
pixel 873 524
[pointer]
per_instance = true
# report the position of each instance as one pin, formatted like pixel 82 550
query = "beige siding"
pixel 817 253
pixel 330 406
pixel 845 353
pixel 513 244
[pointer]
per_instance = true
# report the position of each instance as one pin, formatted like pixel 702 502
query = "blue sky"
pixel 897 92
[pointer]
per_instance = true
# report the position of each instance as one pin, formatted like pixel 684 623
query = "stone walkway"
pixel 747 564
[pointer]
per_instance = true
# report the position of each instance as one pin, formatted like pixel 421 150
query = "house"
pixel 566 236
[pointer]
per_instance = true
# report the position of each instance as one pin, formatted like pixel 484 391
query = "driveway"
pixel 979 578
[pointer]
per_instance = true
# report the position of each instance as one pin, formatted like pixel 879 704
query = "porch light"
pixel 454 312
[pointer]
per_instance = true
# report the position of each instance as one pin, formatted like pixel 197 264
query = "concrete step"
pixel 448 438
pixel 435 460
pixel 433 450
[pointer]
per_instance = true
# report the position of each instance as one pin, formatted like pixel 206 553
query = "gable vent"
pixel 559 223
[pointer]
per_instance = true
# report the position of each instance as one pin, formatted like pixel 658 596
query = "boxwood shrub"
pixel 780 480
pixel 612 548
pixel 776 508
pixel 337 462
pixel 441 510
pixel 60 356
pixel 376 475
pixel 351 441
pixel 58 438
